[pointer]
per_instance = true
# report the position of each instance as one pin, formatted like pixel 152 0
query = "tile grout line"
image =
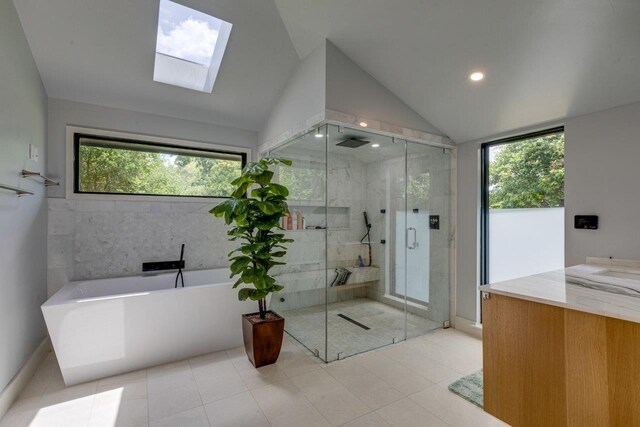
pixel 435 415
pixel 248 389
pixel 146 376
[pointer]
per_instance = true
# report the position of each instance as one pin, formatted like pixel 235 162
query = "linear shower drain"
pixel 348 319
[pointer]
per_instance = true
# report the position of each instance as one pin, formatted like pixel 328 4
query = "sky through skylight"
pixel 186 33
pixel 189 47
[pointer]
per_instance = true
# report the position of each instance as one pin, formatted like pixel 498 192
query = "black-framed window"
pixel 519 173
pixel 106 165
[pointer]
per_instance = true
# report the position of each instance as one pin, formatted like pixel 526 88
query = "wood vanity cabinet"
pixel 550 366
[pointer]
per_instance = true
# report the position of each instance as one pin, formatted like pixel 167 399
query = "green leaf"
pixel 241 190
pixel 278 189
pixel 260 192
pixel 238 283
pixel 238 181
pixel 247 249
pixel 254 216
pixel 220 210
pixel 258 294
pixel 264 178
pixel 249 275
pixel 254 169
pixel 268 208
pixel 240 264
pixel 245 293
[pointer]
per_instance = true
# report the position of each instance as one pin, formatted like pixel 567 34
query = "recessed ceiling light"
pixel 364 124
pixel 477 76
pixel 375 145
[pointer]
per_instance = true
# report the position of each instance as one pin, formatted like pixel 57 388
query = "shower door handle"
pixel 415 238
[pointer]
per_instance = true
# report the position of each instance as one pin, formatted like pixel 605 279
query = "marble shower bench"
pixel 317 279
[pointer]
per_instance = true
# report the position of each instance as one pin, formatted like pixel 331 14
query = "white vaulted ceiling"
pixel 102 52
pixel 544 60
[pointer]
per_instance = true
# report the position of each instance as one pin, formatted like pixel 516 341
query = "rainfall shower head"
pixel 352 143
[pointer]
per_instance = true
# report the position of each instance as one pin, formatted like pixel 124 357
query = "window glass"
pixel 115 166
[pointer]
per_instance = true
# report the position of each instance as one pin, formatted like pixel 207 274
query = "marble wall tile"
pixel 98 239
pixel 60 223
pixel 59 251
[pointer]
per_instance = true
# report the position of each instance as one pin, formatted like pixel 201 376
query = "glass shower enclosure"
pixel 371 223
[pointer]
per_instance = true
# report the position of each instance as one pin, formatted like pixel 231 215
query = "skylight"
pixel 189 47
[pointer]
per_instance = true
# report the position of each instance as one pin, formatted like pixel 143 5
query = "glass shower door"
pixel 423 239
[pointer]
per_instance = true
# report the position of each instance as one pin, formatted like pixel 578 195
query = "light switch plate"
pixel 33 153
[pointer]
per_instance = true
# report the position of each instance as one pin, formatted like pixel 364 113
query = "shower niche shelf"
pixel 317 214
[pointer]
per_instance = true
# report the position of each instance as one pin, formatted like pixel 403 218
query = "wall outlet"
pixel 33 153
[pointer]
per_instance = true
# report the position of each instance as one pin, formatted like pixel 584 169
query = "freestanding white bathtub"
pixel 106 327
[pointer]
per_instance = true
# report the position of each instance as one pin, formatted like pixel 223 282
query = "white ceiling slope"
pixel 102 52
pixel 544 60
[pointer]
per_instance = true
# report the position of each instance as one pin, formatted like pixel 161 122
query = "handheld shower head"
pixel 367 235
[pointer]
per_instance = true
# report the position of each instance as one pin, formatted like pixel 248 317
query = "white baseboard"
pixel 468 327
pixel 21 379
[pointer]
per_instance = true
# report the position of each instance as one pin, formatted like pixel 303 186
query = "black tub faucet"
pixel 180 275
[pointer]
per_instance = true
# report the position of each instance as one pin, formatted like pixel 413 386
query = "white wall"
pixel 468 234
pixel 23 121
pixel 602 172
pixel 523 242
pixel 63 113
pixel 302 102
pixel 352 90
pixel 603 178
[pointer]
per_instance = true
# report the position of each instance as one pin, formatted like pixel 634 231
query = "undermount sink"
pixel 618 274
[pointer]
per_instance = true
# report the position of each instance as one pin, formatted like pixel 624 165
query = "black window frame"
pixel 76 163
pixel 484 195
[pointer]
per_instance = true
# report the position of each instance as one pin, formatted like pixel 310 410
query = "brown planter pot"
pixel 262 340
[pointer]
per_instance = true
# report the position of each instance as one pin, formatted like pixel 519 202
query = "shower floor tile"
pixel 346 338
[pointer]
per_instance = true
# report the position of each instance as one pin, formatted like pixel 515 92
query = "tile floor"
pixel 386 324
pixel 400 385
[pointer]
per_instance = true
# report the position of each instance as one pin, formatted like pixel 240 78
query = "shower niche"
pixel 321 217
pixel 350 287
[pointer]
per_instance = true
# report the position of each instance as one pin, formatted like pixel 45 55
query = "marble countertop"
pixel 602 286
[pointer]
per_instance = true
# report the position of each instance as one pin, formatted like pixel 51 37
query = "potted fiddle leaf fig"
pixel 255 209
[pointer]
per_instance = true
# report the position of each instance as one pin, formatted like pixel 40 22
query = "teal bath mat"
pixel 469 388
